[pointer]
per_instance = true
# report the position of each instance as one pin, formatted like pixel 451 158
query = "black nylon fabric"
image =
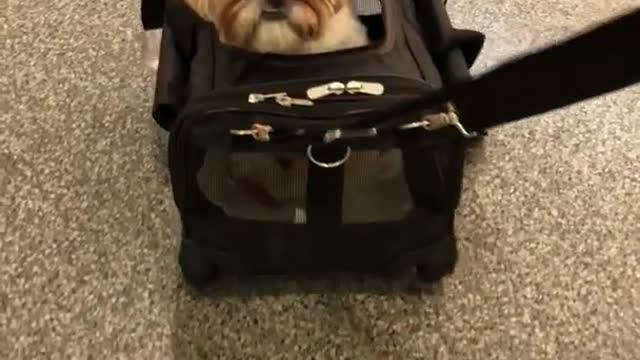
pixel 152 14
pixel 194 65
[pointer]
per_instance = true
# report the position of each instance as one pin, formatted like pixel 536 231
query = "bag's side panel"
pixel 173 69
pixel 434 174
pixel 203 62
pixel 437 174
pixel 186 66
pixel 170 82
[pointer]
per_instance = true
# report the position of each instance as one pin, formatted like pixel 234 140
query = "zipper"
pixel 352 90
pixel 260 114
pixel 320 92
pixel 351 87
pixel 372 85
pixel 255 98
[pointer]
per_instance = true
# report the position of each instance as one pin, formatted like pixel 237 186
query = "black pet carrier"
pixel 347 161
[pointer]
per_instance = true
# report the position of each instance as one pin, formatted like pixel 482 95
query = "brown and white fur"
pixel 284 26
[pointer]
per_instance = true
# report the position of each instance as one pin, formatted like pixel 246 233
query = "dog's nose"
pixel 275 4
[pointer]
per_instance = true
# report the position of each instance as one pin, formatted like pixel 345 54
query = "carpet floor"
pixel 549 226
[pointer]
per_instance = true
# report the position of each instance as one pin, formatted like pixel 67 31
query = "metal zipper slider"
pixel 259 132
pixel 448 119
pixel 255 98
pixel 333 135
pixel 362 87
pixel 317 92
pixel 288 101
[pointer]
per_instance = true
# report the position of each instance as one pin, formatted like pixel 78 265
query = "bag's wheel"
pixel 440 262
pixel 197 268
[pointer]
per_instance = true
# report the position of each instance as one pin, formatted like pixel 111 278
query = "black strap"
pixel 594 63
pixel 325 188
pixel 597 62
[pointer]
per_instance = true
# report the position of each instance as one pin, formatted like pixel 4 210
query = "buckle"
pixel 441 120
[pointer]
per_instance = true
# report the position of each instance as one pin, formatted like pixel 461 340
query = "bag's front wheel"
pixel 440 262
pixel 197 268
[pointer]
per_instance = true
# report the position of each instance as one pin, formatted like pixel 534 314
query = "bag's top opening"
pixel 376 16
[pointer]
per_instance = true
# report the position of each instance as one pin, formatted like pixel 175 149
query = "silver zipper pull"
pixel 363 87
pixel 333 135
pixel 448 119
pixel 320 91
pixel 259 132
pixel 255 98
pixel 288 101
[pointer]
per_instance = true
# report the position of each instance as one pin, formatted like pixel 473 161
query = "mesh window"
pixel 269 187
pixel 375 189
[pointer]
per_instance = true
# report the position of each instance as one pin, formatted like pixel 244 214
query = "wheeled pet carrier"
pixel 344 161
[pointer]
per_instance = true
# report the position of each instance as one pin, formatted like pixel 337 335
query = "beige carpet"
pixel 550 224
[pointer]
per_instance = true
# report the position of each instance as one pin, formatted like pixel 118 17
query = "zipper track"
pixel 236 99
pixel 392 83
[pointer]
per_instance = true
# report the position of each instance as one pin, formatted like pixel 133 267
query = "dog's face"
pixel 268 24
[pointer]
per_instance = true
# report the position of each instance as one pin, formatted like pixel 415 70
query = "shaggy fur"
pixel 284 26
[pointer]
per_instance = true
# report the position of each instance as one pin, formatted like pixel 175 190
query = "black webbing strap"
pixel 325 188
pixel 596 62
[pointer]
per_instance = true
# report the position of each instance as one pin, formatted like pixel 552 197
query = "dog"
pixel 284 26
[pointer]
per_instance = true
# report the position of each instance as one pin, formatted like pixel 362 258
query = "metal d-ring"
pixel 330 165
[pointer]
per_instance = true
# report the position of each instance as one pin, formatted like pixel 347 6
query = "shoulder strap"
pixel 593 63
pixel 596 62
